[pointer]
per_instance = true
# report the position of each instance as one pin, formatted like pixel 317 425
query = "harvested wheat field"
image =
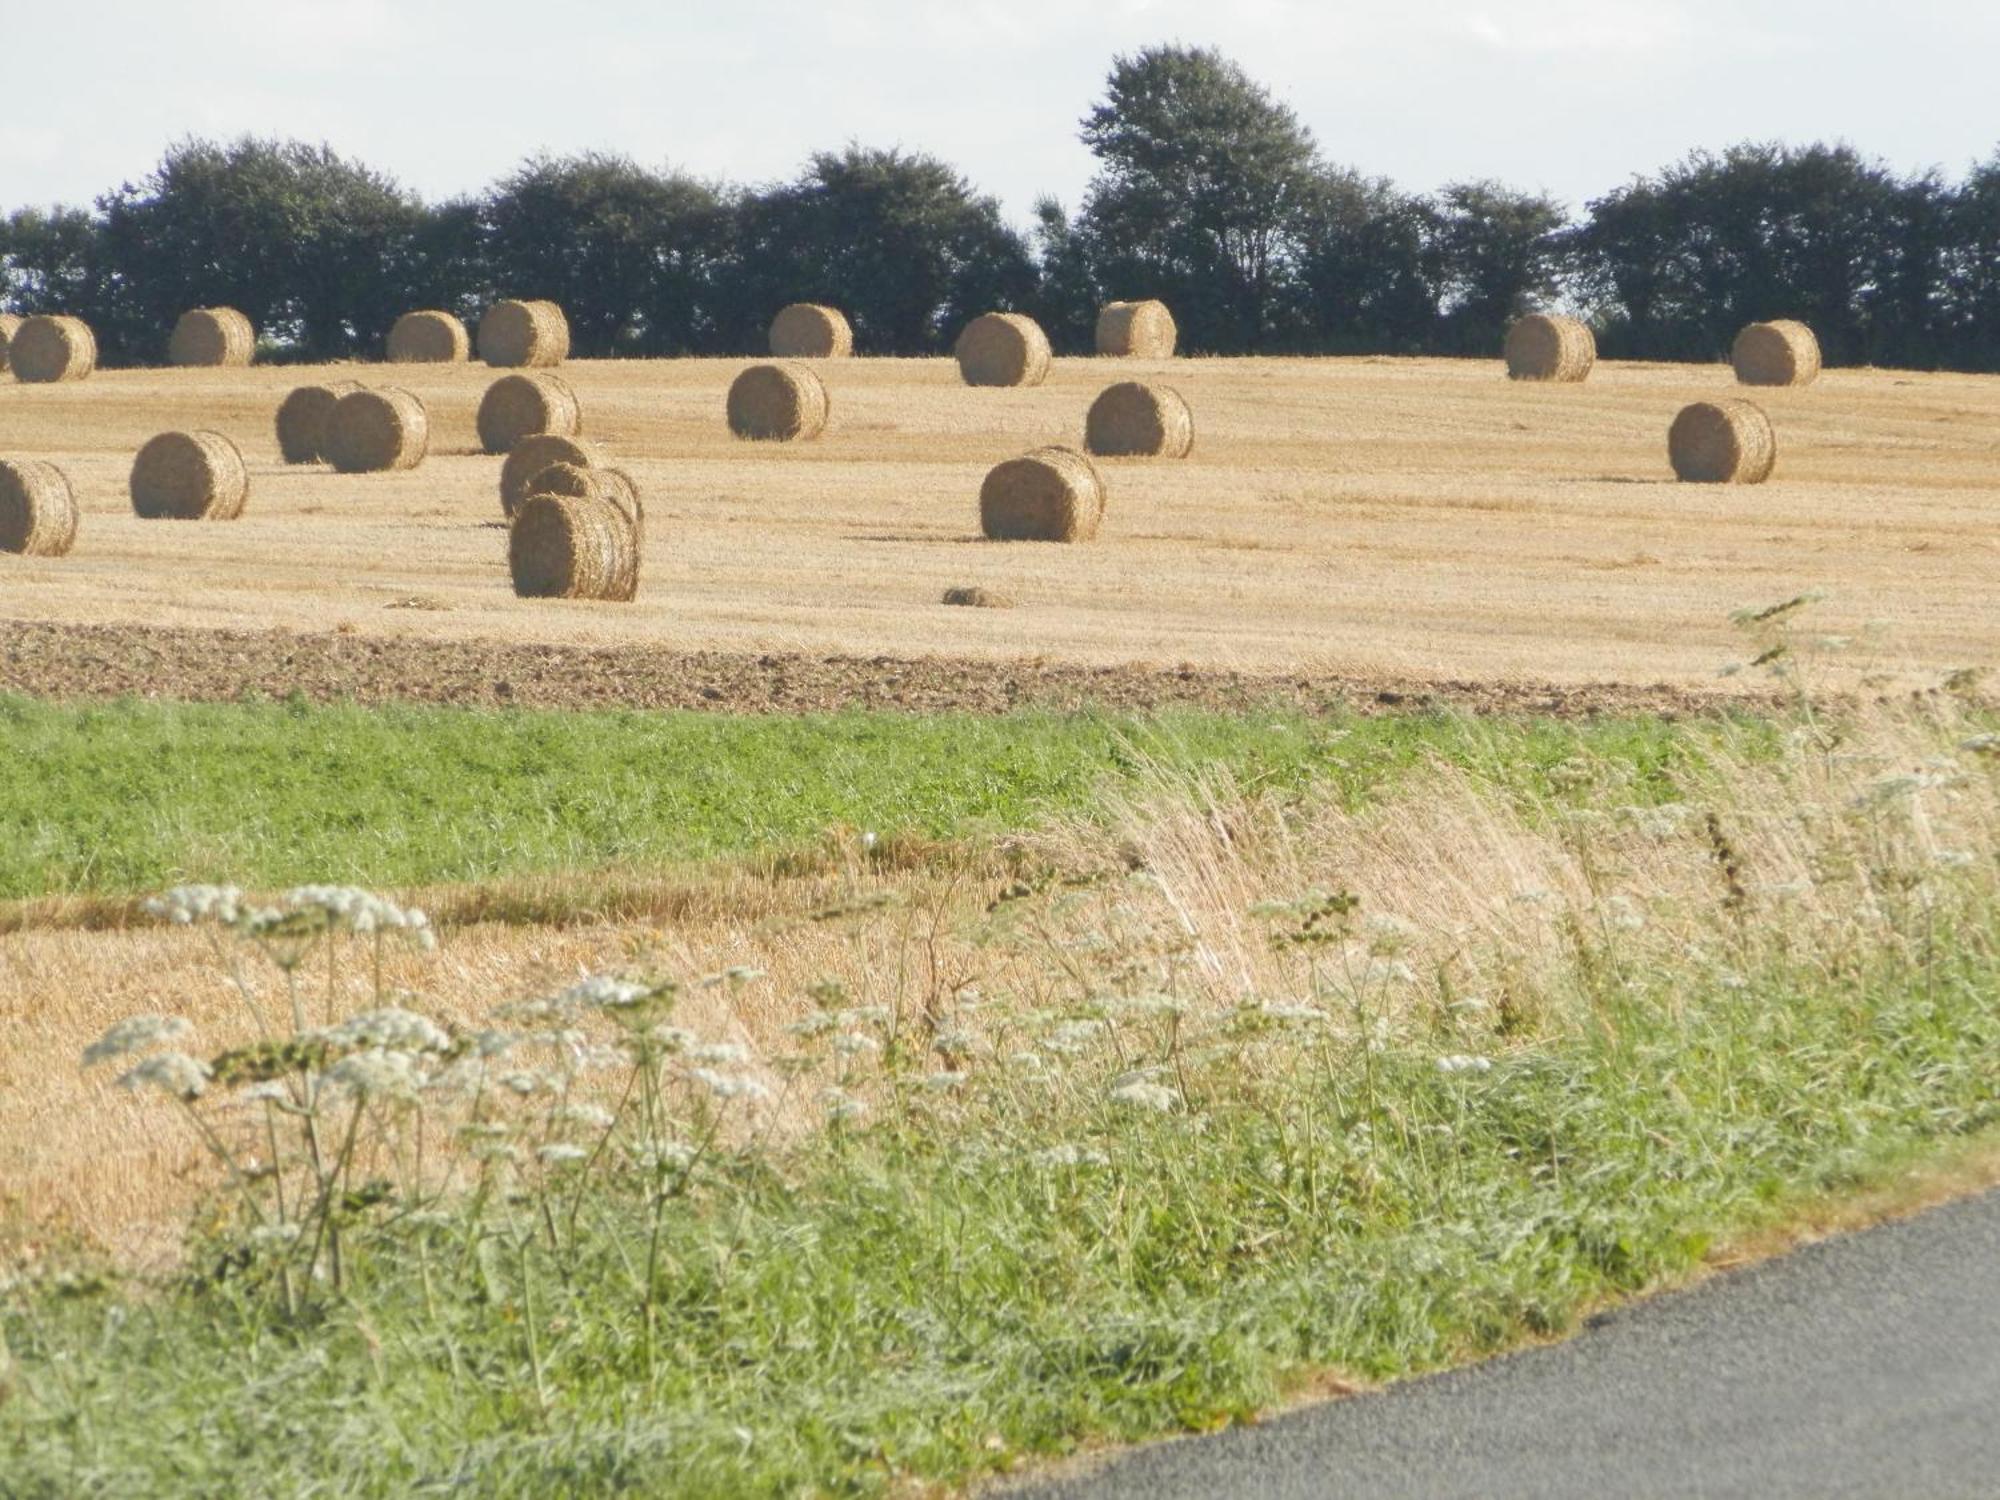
pixel 1406 520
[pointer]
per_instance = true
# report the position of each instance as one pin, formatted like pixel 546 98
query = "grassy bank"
pixel 1247 1082
pixel 133 796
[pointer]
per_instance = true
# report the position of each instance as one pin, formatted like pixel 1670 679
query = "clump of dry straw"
pixel 377 431
pixel 428 337
pixel 1132 419
pixel 212 336
pixel 189 476
pixel 1781 353
pixel 778 403
pixel 514 335
pixel 810 330
pixel 45 349
pixel 37 508
pixel 1053 494
pixel 1722 442
pixel 1544 346
pixel 580 535
pixel 518 406
pixel 1003 349
pixel 1136 330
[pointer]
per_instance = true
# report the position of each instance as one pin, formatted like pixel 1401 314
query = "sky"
pixel 1573 97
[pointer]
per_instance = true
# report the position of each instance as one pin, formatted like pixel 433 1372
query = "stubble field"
pixel 1369 521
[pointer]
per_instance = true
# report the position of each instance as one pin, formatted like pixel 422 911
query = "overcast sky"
pixel 1573 96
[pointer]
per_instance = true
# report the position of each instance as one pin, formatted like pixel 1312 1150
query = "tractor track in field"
pixel 100 662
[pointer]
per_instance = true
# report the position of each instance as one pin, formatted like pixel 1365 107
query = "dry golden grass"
pixel 1427 518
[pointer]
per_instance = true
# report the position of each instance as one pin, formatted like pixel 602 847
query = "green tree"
pixel 1202 182
pixel 1497 251
pixel 1370 267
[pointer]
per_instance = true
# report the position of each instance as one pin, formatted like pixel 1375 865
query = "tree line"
pixel 1208 194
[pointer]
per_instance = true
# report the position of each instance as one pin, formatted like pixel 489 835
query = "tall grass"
pixel 1225 1086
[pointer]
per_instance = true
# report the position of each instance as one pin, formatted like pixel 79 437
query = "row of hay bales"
pixel 1550 347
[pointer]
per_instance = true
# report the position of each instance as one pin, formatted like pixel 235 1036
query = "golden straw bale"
pixel 808 330
pixel 189 476
pixel 428 337
pixel 1722 442
pixel 1132 419
pixel 777 402
pixel 212 336
pixel 532 454
pixel 1136 330
pixel 518 406
pixel 972 596
pixel 1003 349
pixel 376 431
pixel 1050 495
pixel 8 323
pixel 619 490
pixel 46 349
pixel 520 334
pixel 1543 346
pixel 302 420
pixel 37 508
pixel 1781 353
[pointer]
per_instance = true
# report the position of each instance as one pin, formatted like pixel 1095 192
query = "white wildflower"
pixel 728 1085
pixel 665 1156
pixel 136 1034
pixel 670 1038
pixel 270 1091
pixel 1026 1062
pixel 496 1151
pixel 1140 1093
pixel 945 1081
pixel 1625 914
pixel 719 1054
pixel 816 1024
pixel 274 1236
pixel 379 1073
pixel 1070 1155
pixel 356 910
pixel 1292 1013
pixel 842 1107
pixel 391 1027
pixel 1459 1062
pixel 1388 934
pixel 171 1073
pixel 523 1084
pixel 561 1154
pixel 1073 1037
pixel 958 1041
pixel 186 904
pixel 863 1015
pixel 1387 971
pixel 855 1044
pixel 586 1116
pixel 1955 859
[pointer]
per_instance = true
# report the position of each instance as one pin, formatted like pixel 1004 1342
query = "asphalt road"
pixel 1863 1366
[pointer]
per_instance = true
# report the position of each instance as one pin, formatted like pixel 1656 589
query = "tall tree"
pixel 1498 253
pixel 1202 179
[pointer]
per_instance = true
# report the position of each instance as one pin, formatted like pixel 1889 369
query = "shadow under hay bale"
pixel 302 418
pixel 37 508
pixel 516 335
pixel 777 403
pixel 1136 330
pixel 1136 420
pixel 46 349
pixel 532 454
pixel 1543 346
pixel 1003 349
pixel 1780 353
pixel 212 337
pixel 1053 494
pixel 428 337
pixel 1722 442
pixel 518 406
pixel 189 476
pixel 810 330
pixel 377 431
pixel 580 535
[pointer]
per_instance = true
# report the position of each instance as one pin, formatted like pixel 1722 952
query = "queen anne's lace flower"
pixel 171 1073
pixel 136 1034
pixel 1070 1155
pixel 378 1073
pixel 1462 1063
pixel 186 904
pixel 390 1027
pixel 1141 1093
pixel 561 1153
pixel 728 1085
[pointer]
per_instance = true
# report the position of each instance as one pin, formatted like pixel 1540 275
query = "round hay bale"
pixel 373 432
pixel 779 403
pixel 212 336
pixel 1722 442
pixel 518 406
pixel 808 330
pixel 1050 495
pixel 1134 420
pixel 972 596
pixel 1543 346
pixel 8 323
pixel 532 454
pixel 37 508
pixel 302 420
pixel 1136 330
pixel 577 546
pixel 189 476
pixel 1003 349
pixel 429 337
pixel 46 349
pixel 517 335
pixel 1780 353
pixel 619 490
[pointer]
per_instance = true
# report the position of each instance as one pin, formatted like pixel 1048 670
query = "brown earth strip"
pixel 95 662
